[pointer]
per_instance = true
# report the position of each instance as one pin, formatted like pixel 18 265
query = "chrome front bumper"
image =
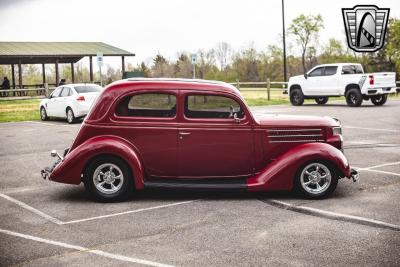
pixel 354 175
pixel 46 171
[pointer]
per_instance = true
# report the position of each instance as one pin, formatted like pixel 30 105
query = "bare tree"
pixel 223 52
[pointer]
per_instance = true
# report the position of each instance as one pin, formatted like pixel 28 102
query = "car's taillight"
pixel 371 79
pixel 80 98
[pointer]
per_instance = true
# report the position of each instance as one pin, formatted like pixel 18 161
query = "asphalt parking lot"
pixel 49 224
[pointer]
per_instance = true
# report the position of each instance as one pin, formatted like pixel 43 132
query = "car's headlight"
pixel 337 130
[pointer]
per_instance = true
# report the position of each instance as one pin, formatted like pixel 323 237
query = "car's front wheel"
pixel 316 180
pixel 379 100
pixel 43 114
pixel 70 116
pixel 321 100
pixel 296 97
pixel 108 179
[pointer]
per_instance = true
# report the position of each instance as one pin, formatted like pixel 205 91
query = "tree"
pixel 223 53
pixel 305 29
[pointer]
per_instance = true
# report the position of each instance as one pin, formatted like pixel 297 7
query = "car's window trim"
pixel 119 118
pixel 212 120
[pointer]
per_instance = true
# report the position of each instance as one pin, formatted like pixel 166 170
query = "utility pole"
pixel 284 42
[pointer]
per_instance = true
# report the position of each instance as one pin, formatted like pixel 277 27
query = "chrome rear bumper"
pixel 354 175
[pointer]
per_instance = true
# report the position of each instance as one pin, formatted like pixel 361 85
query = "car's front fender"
pixel 279 174
pixel 70 169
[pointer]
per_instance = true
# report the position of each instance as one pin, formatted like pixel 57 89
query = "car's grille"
pixel 295 135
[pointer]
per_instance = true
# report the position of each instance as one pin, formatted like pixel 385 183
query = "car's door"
pixel 51 106
pixel 148 120
pixel 211 142
pixel 328 82
pixel 62 102
pixel 313 82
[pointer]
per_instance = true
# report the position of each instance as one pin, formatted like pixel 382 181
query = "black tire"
pixel 321 100
pixel 379 100
pixel 91 173
pixel 306 191
pixel 43 114
pixel 354 97
pixel 296 97
pixel 70 116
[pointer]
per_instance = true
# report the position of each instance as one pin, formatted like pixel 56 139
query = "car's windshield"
pixel 87 89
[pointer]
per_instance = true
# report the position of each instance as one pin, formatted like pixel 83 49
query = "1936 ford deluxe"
pixel 197 134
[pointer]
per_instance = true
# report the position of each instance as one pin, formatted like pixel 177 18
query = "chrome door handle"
pixel 182 134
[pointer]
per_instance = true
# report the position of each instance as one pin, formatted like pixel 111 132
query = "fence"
pixel 259 85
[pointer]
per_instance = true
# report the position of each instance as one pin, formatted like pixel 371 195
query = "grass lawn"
pixel 19 110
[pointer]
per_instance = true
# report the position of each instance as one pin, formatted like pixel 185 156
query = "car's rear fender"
pixel 279 174
pixel 71 168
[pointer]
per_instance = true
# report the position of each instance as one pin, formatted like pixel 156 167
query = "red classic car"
pixel 197 134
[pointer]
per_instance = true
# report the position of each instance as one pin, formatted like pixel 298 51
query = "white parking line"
pixel 85 250
pixel 31 209
pixel 129 212
pixel 373 129
pixel 333 215
pixel 383 165
pixel 59 222
pixel 55 124
pixel 379 171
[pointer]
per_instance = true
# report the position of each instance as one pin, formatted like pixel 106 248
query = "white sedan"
pixel 71 101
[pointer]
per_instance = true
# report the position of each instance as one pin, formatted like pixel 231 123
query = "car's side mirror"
pixel 305 76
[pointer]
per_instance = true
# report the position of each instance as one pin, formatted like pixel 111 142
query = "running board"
pixel 200 184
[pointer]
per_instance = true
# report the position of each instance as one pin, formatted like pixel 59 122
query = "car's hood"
pixel 272 120
pixel 297 77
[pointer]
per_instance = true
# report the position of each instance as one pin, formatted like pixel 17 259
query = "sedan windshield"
pixel 87 89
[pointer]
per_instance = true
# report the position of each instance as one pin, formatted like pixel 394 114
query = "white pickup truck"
pixel 341 79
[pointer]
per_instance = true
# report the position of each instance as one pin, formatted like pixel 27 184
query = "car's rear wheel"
pixel 354 98
pixel 321 100
pixel 296 97
pixel 108 179
pixel 316 180
pixel 70 116
pixel 379 100
pixel 43 114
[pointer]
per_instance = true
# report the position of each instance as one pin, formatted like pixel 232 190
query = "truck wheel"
pixel 296 97
pixel 108 179
pixel 316 180
pixel 379 100
pixel 321 100
pixel 354 98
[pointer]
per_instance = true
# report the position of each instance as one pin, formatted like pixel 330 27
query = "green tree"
pixel 305 29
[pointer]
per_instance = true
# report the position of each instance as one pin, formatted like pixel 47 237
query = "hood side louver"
pixel 295 135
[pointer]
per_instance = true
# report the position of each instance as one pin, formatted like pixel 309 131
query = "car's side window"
pixel 65 92
pixel 159 105
pixel 212 107
pixel 316 72
pixel 352 69
pixel 330 70
pixel 56 92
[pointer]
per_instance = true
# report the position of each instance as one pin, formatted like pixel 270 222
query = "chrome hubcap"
pixel 315 178
pixel 108 178
pixel 69 115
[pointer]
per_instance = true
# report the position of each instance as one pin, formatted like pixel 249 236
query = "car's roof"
pixel 337 64
pixel 180 83
pixel 79 84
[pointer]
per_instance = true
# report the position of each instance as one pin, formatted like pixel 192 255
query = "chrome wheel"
pixel 315 178
pixel 108 178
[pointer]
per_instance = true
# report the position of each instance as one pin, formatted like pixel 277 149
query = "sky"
pixel 148 27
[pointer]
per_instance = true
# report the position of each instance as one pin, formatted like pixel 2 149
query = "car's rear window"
pixel 147 105
pixel 352 69
pixel 212 107
pixel 81 89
